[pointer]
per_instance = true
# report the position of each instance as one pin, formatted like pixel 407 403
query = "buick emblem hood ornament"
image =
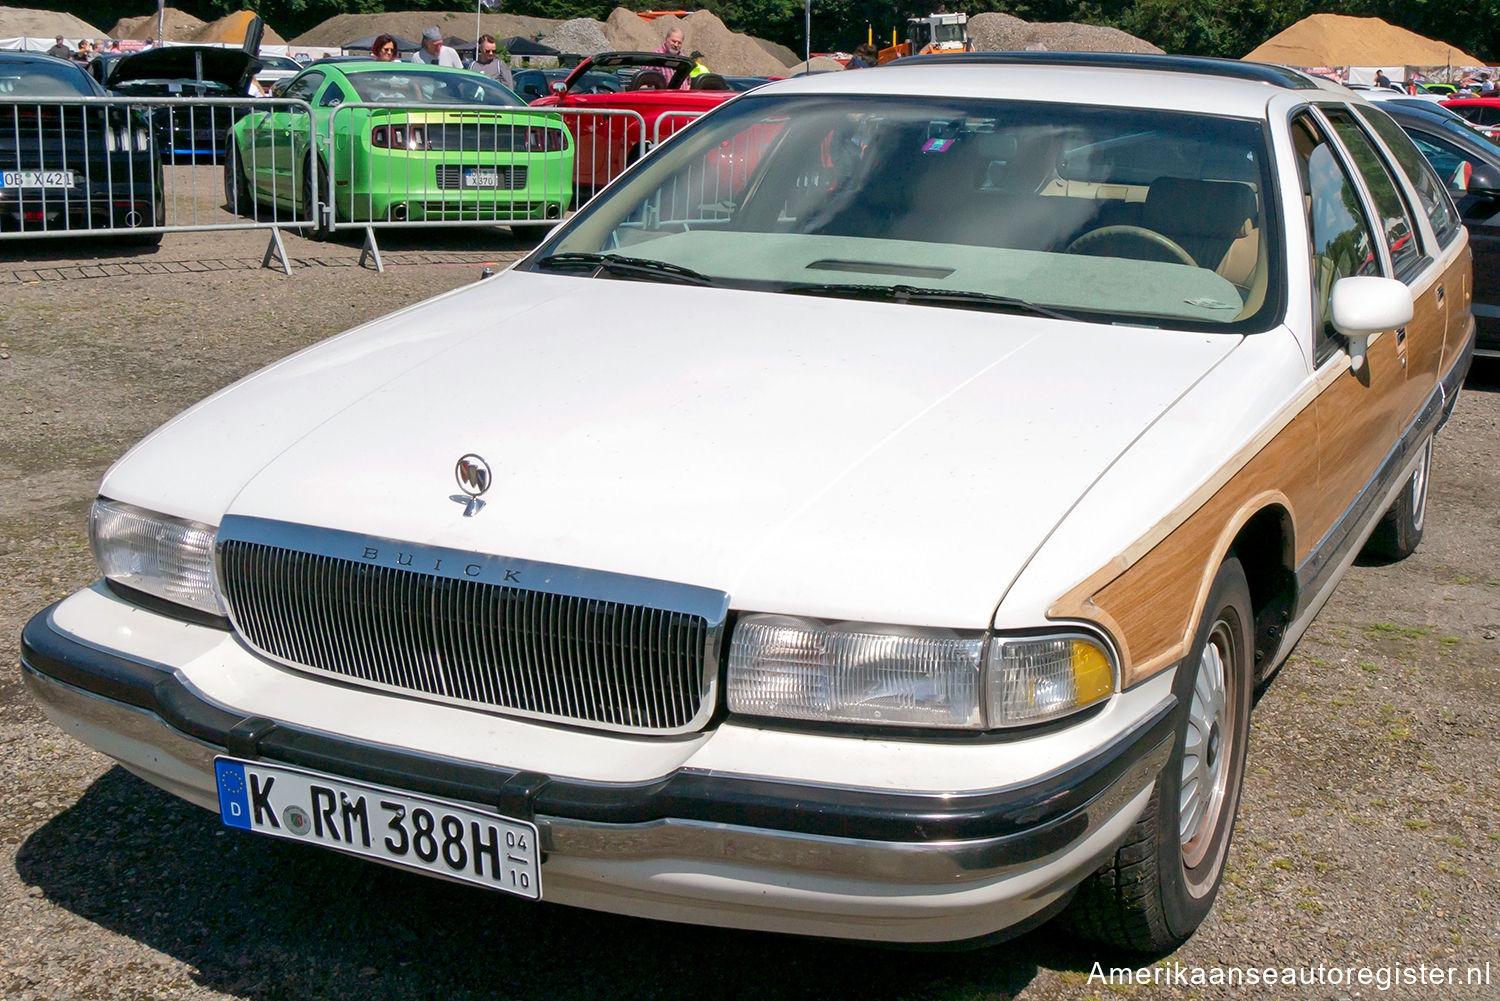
pixel 474 478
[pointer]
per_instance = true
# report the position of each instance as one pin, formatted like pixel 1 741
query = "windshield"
pixel 1126 215
pixel 37 79
pixel 402 87
pixel 280 63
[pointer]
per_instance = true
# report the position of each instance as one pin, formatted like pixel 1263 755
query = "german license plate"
pixel 36 179
pixel 397 827
pixel 481 179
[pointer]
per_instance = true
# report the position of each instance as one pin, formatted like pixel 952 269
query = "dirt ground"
pixel 1368 835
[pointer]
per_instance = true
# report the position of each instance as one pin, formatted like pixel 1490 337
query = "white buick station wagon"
pixel 871 517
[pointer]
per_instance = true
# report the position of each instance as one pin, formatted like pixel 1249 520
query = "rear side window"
pixel 1431 191
pixel 1395 219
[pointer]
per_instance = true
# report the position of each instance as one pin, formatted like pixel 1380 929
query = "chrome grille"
pixel 581 660
pixel 451 177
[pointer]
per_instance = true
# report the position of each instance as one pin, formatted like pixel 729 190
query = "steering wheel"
pixel 1131 241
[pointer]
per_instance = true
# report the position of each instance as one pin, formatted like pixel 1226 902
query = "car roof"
pixel 371 66
pixel 1217 86
pixel 1486 101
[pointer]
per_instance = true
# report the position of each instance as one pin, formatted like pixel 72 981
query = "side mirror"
pixel 1362 307
pixel 1484 180
pixel 559 87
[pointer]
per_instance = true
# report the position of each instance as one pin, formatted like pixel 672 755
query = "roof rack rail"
pixel 1277 76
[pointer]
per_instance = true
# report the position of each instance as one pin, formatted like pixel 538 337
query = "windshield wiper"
pixel 928 296
pixel 638 267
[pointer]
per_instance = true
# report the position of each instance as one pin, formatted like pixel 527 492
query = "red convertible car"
pixel 653 85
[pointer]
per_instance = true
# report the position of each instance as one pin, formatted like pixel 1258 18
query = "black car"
pixel 188 71
pixel 68 167
pixel 1448 146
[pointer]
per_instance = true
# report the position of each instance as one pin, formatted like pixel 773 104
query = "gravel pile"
pixel 582 35
pixel 411 23
pixel 1340 40
pixel 819 64
pixel 1004 33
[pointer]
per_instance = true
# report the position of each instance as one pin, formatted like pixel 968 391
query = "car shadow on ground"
pixel 74 249
pixel 259 918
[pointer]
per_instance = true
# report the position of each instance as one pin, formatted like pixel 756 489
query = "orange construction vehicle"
pixel 942 32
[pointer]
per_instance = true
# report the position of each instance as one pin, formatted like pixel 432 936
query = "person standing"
pixel 864 57
pixel 434 51
pixel 486 62
pixel 62 50
pixel 383 49
pixel 671 46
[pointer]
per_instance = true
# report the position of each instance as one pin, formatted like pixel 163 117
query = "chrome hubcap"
pixel 1205 758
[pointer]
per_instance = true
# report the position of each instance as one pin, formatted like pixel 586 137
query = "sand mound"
pixel 23 21
pixel 723 50
pixel 582 35
pixel 1005 33
pixel 411 23
pixel 231 29
pixel 1340 40
pixel 177 26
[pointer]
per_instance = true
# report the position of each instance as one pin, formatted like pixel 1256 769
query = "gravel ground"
pixel 1368 834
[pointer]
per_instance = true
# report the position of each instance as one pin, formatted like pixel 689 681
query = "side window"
pixel 1445 159
pixel 1395 218
pixel 304 87
pixel 333 96
pixel 1343 242
pixel 1418 161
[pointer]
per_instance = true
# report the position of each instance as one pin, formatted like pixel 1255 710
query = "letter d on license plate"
pixel 381 823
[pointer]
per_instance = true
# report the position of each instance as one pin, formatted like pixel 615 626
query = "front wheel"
pixel 1161 883
pixel 1399 531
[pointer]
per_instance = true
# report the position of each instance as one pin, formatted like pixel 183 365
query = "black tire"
pixel 321 230
pixel 237 196
pixel 1161 883
pixel 1399 531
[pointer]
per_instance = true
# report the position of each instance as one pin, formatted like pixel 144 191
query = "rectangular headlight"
pixel 854 673
pixel 169 558
pixel 804 669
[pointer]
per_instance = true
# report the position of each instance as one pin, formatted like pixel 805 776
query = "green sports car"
pixel 399 141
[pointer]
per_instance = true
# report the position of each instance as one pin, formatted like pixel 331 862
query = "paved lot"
pixel 1368 836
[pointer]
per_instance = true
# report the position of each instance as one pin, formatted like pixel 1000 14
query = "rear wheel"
pixel 320 229
pixel 1162 881
pixel 1399 531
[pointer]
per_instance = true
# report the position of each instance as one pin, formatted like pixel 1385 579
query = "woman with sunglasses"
pixel 383 49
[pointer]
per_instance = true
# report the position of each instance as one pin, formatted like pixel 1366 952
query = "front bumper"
pixel 704 846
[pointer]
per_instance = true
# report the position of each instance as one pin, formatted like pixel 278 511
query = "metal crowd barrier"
pixel 140 167
pixel 445 165
pixel 669 123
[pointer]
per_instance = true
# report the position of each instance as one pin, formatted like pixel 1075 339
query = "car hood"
pixel 823 457
pixel 230 67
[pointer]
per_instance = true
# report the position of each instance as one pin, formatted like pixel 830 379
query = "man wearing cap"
pixel 62 50
pixel 434 51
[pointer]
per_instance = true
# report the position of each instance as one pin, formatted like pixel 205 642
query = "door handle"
pixel 1441 295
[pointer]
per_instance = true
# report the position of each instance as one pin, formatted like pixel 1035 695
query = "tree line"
pixel 1228 28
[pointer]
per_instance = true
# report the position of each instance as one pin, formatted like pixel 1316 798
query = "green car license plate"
pixel 481 178
pixel 402 828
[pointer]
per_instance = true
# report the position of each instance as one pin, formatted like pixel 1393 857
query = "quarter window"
pixel 1343 242
pixel 1400 234
pixel 1431 191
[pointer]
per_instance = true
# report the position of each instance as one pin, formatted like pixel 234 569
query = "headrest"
pixel 1187 207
